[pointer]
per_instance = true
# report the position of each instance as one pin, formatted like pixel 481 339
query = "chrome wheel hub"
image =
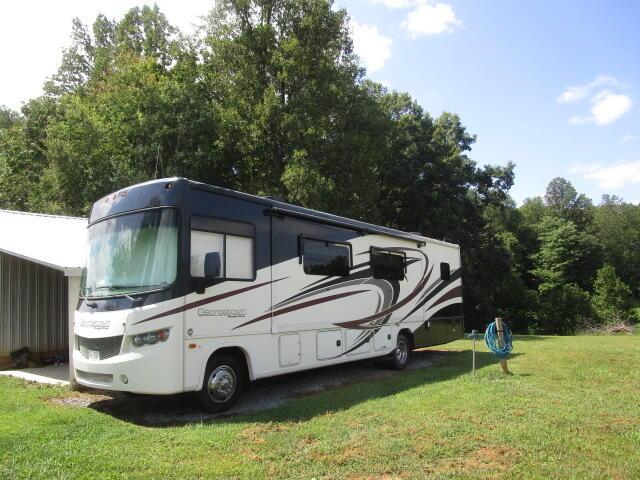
pixel 221 384
pixel 402 352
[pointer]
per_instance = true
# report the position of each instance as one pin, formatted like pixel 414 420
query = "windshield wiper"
pixel 86 300
pixel 116 289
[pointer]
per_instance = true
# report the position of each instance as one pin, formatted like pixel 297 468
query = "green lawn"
pixel 571 409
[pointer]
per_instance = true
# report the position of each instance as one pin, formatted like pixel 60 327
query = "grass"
pixel 570 410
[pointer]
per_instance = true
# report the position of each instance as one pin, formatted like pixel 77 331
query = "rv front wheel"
pixel 401 356
pixel 222 385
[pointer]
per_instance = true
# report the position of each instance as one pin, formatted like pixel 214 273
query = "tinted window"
pixel 387 266
pixel 234 241
pixel 325 258
pixel 445 271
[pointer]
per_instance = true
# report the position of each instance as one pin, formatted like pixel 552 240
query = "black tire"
pixel 401 355
pixel 220 371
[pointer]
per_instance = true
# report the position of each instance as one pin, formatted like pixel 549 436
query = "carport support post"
pixel 73 289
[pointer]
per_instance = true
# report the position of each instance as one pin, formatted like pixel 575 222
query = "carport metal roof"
pixel 50 240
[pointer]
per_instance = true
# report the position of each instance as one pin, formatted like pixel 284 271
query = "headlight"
pixel 151 338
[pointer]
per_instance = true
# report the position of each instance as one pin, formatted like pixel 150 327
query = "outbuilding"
pixel 41 259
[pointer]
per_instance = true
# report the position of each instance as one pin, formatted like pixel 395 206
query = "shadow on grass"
pixel 298 396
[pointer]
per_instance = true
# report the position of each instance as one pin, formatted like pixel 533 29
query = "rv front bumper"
pixel 147 371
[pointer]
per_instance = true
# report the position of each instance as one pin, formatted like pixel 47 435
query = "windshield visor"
pixel 131 253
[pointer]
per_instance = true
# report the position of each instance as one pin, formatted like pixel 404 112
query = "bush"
pixel 564 309
pixel 611 296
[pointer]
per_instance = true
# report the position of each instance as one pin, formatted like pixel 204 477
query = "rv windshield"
pixel 131 253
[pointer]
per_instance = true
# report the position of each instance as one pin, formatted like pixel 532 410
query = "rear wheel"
pixel 401 356
pixel 222 385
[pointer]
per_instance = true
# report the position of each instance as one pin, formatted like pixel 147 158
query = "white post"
pixel 73 284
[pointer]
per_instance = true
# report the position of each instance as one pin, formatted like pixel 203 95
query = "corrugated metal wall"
pixel 33 306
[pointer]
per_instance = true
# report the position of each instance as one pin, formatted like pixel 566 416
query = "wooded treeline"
pixel 269 98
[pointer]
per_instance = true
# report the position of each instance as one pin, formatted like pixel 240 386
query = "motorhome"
pixel 192 287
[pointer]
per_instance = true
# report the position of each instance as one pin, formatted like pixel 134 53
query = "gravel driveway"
pixel 265 394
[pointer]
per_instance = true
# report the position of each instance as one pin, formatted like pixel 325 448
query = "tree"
pixel 135 108
pixel 611 295
pixel 617 229
pixel 8 117
pixel 563 310
pixel 563 200
pixel 564 269
pixel 566 255
pixel 291 101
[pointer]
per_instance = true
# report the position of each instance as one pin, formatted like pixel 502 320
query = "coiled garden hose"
pixel 491 339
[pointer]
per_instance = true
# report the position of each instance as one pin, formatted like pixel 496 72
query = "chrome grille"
pixel 98 348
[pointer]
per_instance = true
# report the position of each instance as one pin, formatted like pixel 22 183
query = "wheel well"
pixel 409 335
pixel 237 353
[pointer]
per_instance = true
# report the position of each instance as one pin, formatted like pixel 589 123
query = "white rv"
pixel 190 287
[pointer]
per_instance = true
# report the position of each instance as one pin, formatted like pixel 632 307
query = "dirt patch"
pixel 78 399
pixel 486 459
pixel 166 410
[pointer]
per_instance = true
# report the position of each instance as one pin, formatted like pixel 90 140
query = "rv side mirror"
pixel 212 264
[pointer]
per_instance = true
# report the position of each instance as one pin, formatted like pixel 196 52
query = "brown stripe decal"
pixel 300 306
pixel 453 293
pixel 207 300
pixel 392 308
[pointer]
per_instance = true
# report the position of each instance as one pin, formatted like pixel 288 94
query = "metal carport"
pixel 41 259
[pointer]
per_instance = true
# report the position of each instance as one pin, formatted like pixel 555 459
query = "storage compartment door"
pixel 354 337
pixel 329 344
pixel 289 346
pixel 383 340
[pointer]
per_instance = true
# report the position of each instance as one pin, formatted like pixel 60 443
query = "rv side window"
pixel 234 241
pixel 325 258
pixel 445 271
pixel 387 265
pixel 201 244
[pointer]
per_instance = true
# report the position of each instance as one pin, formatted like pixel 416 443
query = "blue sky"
pixel 552 85
pixel 504 67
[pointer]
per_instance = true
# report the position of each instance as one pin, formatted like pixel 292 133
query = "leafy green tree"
pixel 533 211
pixel 8 117
pixel 563 310
pixel 563 201
pixel 565 264
pixel 23 159
pixel 136 109
pixel 291 100
pixel 617 228
pixel 566 255
pixel 611 295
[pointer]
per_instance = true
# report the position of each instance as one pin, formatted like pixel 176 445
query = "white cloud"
pixel 607 108
pixel 627 139
pixel 370 45
pixel 580 92
pixel 393 3
pixel 427 19
pixel 614 176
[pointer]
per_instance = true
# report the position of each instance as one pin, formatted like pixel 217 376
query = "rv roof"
pixel 286 209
